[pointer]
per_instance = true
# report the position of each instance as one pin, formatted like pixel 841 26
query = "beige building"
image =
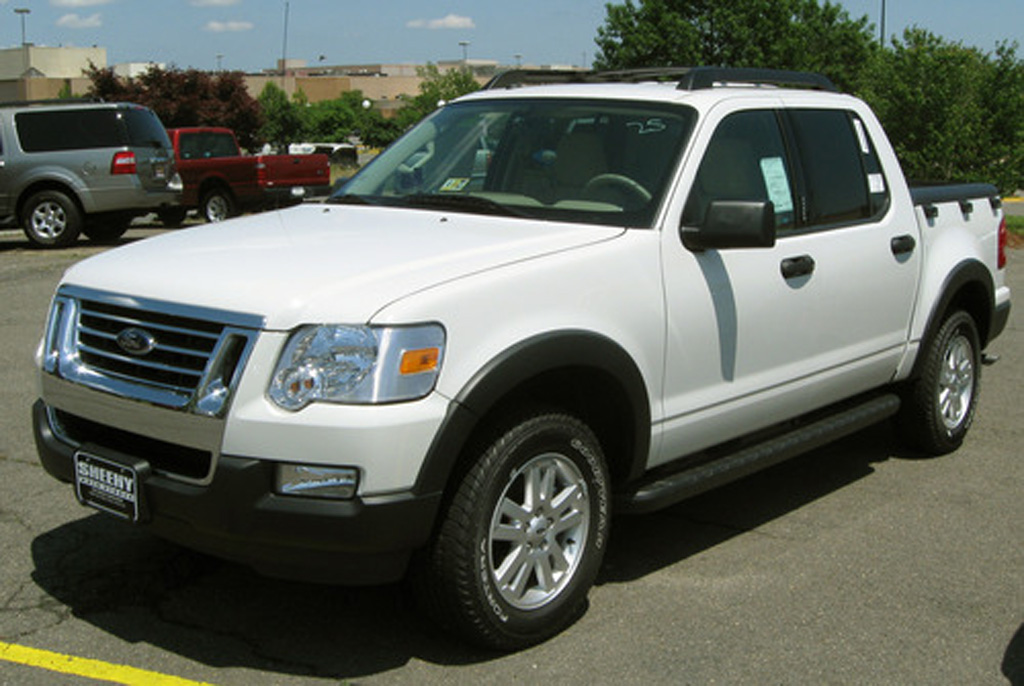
pixel 32 72
pixel 385 85
pixel 386 92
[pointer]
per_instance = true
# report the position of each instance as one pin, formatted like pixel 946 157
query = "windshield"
pixel 573 160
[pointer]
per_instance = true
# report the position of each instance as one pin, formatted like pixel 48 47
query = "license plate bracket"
pixel 111 482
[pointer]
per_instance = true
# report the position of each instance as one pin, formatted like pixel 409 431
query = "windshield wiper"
pixel 350 199
pixel 461 203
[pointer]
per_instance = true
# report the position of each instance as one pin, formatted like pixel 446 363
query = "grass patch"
pixel 1015 224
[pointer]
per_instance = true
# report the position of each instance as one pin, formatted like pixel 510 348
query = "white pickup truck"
pixel 547 303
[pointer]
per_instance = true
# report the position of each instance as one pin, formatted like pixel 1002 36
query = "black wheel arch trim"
pixel 964 276
pixel 212 184
pixel 47 184
pixel 516 367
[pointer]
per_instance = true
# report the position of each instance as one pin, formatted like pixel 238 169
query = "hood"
pixel 322 263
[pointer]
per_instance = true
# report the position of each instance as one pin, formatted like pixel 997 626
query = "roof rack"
pixel 700 78
pixel 686 78
pixel 50 101
pixel 515 78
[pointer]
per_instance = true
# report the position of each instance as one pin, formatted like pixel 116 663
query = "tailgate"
pixel 148 140
pixel 294 170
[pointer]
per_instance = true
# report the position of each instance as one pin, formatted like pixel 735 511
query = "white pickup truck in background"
pixel 544 305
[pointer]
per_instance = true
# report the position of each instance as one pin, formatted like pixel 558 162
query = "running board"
pixel 673 488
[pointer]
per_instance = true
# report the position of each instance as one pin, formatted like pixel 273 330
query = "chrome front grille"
pixel 181 346
pixel 170 355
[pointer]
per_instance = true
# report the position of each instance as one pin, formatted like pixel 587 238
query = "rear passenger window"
pixel 68 130
pixel 745 160
pixel 844 181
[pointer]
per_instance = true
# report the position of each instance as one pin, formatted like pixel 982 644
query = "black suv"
pixel 68 167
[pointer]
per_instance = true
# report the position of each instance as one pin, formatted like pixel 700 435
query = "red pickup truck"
pixel 220 182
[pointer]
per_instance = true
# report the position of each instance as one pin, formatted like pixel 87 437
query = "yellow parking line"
pixel 93 669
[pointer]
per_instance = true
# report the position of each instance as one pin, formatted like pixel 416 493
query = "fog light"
pixel 314 481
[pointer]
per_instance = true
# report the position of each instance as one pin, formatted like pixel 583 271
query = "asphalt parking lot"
pixel 856 564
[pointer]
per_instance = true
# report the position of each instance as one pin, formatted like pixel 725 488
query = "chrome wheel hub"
pixel 956 382
pixel 539 531
pixel 49 220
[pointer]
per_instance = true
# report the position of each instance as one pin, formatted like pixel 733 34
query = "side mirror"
pixel 732 224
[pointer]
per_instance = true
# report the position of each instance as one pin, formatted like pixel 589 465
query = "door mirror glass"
pixel 733 224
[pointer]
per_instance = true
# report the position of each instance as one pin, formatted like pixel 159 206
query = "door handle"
pixel 792 267
pixel 901 245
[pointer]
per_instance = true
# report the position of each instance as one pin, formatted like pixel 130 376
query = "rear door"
pixel 757 336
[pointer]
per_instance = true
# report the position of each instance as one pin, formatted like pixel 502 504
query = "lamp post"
pixel 284 46
pixel 881 37
pixel 22 11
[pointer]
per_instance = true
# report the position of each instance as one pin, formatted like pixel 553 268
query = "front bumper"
pixel 237 516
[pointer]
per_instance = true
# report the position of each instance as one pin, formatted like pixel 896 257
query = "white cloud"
pixel 214 3
pixel 452 21
pixel 73 21
pixel 228 26
pixel 79 3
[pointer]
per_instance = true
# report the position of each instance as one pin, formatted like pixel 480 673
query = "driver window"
pixel 745 160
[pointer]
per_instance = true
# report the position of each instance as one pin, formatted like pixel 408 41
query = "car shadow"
pixel 1013 660
pixel 139 588
pixel 641 545
pixel 82 248
pixel 13 240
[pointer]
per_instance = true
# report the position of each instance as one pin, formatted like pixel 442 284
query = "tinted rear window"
pixel 69 130
pixel 207 144
pixel 831 159
pixel 144 128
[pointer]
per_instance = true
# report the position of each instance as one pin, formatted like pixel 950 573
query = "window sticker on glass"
pixel 876 183
pixel 862 136
pixel 773 169
pixel 456 185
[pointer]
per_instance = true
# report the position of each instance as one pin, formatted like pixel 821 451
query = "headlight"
pixel 357 365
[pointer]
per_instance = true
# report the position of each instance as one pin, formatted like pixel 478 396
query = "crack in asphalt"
pixel 252 645
pixel 25 612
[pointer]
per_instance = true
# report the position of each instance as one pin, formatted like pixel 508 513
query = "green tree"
pixel 781 34
pixel 333 120
pixel 282 118
pixel 376 131
pixel 185 98
pixel 952 112
pixel 435 87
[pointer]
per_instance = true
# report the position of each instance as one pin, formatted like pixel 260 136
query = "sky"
pixel 251 35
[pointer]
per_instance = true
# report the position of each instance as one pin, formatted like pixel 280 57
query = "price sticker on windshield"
pixel 456 185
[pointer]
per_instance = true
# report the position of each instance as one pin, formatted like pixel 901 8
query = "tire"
pixel 51 219
pixel 173 217
pixel 522 540
pixel 217 205
pixel 938 407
